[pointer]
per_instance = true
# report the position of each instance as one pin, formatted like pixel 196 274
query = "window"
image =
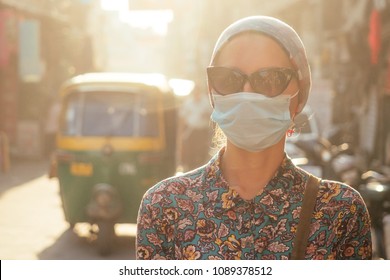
pixel 118 114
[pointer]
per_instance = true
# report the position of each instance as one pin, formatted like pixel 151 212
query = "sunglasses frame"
pixel 291 73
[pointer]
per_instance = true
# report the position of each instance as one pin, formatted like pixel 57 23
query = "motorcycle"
pixel 375 190
pixel 319 156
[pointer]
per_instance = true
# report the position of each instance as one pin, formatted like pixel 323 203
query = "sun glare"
pixel 114 5
pixel 157 20
pixel 181 87
pixel 154 19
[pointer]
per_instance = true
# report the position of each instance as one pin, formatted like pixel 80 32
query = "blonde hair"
pixel 219 138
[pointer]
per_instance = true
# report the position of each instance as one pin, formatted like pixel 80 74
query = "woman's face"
pixel 249 52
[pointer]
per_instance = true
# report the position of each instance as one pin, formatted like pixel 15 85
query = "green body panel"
pixel 130 173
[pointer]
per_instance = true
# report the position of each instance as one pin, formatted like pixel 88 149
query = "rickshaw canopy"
pixel 107 79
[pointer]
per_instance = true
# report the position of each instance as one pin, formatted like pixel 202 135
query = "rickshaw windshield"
pixel 120 114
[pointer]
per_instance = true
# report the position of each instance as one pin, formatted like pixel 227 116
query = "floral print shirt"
pixel 198 216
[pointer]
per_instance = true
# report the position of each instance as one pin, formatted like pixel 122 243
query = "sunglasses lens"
pixel 224 80
pixel 271 82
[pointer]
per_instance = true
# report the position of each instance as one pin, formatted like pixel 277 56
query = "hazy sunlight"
pixel 157 20
pixel 114 5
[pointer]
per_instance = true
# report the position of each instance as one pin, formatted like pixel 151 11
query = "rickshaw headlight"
pixel 127 168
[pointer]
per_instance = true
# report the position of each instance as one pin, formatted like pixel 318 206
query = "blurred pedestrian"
pixel 51 126
pixel 4 153
pixel 195 133
pixel 250 201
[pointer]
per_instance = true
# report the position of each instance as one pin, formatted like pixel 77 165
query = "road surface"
pixel 32 224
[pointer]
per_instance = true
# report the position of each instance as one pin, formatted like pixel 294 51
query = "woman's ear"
pixel 294 108
pixel 293 116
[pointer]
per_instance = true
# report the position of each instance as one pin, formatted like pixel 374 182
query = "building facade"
pixel 42 43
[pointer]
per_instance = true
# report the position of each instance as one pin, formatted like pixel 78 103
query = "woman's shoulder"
pixel 337 187
pixel 331 190
pixel 339 193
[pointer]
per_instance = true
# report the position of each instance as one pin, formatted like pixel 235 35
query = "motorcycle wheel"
pixel 378 244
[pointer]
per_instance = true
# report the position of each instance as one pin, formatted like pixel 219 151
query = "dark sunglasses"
pixel 267 81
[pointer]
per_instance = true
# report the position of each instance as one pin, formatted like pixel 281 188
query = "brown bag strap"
pixel 303 230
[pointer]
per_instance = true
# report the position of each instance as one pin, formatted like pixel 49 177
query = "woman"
pixel 246 202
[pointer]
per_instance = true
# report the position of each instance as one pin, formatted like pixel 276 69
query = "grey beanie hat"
pixel 285 35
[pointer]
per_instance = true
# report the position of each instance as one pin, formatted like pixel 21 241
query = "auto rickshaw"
pixel 116 138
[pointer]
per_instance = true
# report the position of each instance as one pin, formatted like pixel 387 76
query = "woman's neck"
pixel 248 173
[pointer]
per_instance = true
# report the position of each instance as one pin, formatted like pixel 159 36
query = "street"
pixel 32 224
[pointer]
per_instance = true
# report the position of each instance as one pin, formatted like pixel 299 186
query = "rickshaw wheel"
pixel 106 237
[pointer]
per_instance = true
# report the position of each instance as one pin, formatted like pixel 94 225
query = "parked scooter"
pixel 375 190
pixel 344 165
pixel 332 162
pixel 318 155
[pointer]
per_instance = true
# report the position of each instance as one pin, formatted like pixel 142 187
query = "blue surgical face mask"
pixel 252 121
